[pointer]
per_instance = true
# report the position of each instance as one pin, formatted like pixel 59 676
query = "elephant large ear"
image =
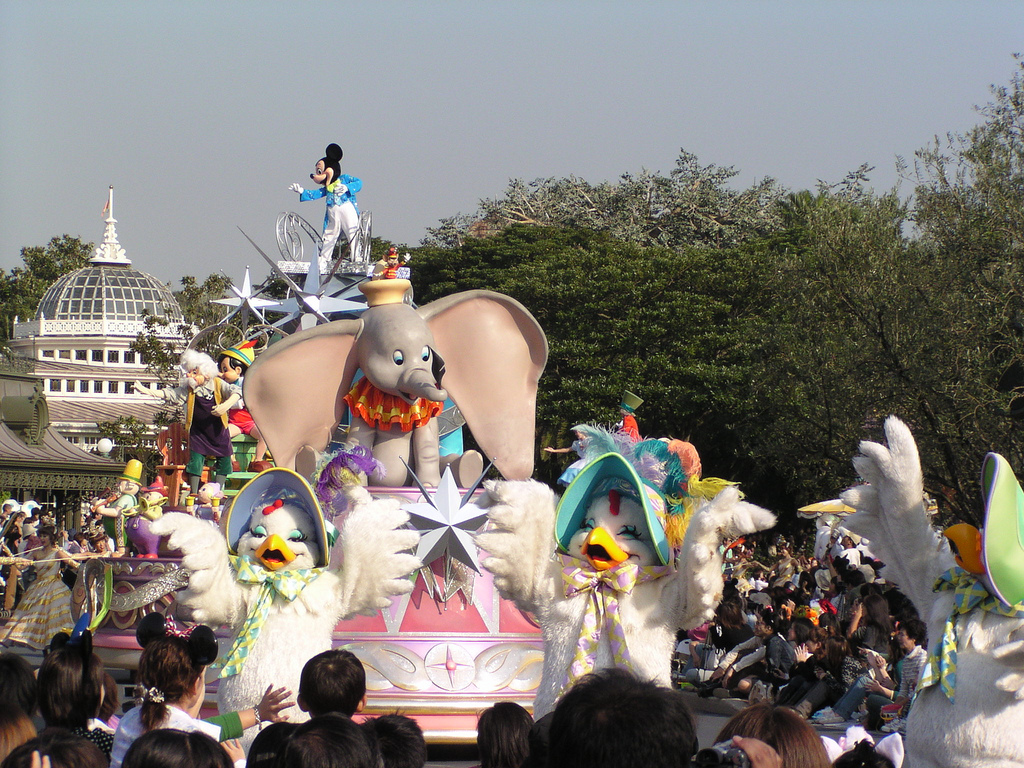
pixel 494 353
pixel 294 389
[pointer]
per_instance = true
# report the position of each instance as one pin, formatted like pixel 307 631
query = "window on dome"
pixel 64 354
pixel 81 354
pixel 129 388
pixel 129 357
pixel 53 385
pixel 97 355
pixel 71 385
pixel 47 353
pixel 97 387
pixel 112 356
pixel 112 387
pixel 83 386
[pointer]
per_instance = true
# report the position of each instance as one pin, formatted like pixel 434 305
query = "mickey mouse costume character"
pixel 340 190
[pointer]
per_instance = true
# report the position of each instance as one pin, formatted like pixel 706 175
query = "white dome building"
pixel 80 338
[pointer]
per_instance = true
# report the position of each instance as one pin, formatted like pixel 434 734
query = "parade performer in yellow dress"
pixel 45 608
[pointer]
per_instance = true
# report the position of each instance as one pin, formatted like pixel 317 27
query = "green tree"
pixel 23 287
pixel 691 206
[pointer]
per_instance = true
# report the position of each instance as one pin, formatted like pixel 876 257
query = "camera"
pixel 722 753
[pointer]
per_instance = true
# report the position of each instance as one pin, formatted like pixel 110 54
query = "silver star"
pixel 445 524
pixel 245 301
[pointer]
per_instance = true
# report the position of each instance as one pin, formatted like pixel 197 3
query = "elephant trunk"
pixel 420 383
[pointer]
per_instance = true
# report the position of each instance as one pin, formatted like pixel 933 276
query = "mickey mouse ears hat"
pixel 606 473
pixel 1003 534
pixel 267 487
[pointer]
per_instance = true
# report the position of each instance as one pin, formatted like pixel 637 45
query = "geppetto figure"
pixel 637 557
pixel 233 363
pixel 270 577
pixel 115 512
pixel 340 190
pixel 969 703
pixel 207 399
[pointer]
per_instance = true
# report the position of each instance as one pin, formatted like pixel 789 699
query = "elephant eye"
pixel 398 357
pixel 426 353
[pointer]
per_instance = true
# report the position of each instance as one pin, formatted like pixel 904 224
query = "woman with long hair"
pixel 45 608
pixel 71 691
pixel 503 735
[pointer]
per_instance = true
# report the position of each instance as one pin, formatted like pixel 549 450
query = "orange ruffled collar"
pixel 383 410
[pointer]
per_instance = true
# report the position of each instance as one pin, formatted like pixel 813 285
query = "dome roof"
pixel 112 292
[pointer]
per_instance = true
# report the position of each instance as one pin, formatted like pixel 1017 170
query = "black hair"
pixel 332 681
pixel 169 748
pixel 268 743
pixel 17 682
pixel 503 733
pixel 64 749
pixel 399 740
pixel 802 629
pixel 233 362
pixel 613 718
pixel 863 755
pixel 328 741
pixel 70 686
pixel 915 629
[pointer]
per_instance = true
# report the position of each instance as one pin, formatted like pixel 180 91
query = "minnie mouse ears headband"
pixel 202 644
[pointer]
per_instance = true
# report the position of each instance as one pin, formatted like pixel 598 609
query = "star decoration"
pixel 245 301
pixel 457 578
pixel 446 522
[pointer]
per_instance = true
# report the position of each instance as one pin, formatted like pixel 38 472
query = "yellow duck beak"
pixel 275 553
pixel 602 551
pixel 966 542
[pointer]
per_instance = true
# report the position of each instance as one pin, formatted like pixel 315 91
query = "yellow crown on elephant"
pixel 379 292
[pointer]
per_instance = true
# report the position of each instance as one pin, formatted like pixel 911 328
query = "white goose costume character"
pixel 636 557
pixel 273 582
pixel 969 708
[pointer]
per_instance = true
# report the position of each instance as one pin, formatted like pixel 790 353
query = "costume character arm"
pixel 891 514
pixel 312 194
pixel 519 540
pixel 372 559
pixel 213 595
pixel 699 580
pixel 353 184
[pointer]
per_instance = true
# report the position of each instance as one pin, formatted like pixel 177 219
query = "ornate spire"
pixel 109 251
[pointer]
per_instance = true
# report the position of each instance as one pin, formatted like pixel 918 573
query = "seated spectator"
pixel 727 630
pixel 17 682
pixel 870 625
pixel 71 690
pixel 767 658
pixel 502 735
pixel 328 741
pixel 400 741
pixel 15 728
pixel 793 738
pixel 836 671
pixel 168 748
pixel 610 718
pixel 332 681
pixel 63 749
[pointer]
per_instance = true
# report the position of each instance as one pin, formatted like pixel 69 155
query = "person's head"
pixel 876 612
pixel 268 742
pixel 15 728
pixel 79 538
pixel 801 630
pixel 230 368
pixel 17 682
pixel 70 683
pixel 332 681
pixel 503 735
pixel 168 748
pixel 781 728
pixel 328 741
pixel 171 667
pixel 111 697
pixel 833 651
pixel 47 535
pixel 612 718
pixel 730 613
pixel 399 740
pixel 767 623
pixel 64 750
pixel 911 632
pixel 863 755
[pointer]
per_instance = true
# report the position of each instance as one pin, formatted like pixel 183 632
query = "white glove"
pixel 142 388
pixel 341 189
pixel 297 188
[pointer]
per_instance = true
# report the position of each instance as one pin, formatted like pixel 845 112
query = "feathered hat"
pixel 663 477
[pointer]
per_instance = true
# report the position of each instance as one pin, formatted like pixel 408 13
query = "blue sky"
pixel 202 113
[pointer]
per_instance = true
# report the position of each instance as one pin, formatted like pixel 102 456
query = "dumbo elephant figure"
pixel 483 349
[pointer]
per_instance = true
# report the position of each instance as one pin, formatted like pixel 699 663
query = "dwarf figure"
pixel 114 512
pixel 149 509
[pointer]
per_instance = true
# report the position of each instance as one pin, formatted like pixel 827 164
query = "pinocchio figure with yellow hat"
pixel 113 513
pixel 232 363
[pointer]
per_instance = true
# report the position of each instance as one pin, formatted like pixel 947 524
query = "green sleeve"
pixel 230 725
